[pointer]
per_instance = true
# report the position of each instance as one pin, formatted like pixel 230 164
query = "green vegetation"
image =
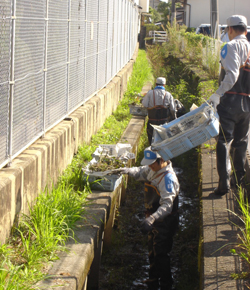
pixel 187 79
pixel 242 249
pixel 39 236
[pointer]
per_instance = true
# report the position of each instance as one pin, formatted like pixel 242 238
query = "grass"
pixel 37 237
pixel 243 247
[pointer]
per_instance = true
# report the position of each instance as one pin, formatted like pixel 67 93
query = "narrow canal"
pixel 125 265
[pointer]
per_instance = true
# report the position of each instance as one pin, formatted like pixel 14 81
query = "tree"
pixel 165 10
pixel 156 16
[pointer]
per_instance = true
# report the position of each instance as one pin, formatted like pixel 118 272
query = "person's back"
pixel 160 105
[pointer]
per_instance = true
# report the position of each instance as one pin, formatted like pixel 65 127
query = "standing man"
pixel 161 222
pixel 233 104
pixel 161 106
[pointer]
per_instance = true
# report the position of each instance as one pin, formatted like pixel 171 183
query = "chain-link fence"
pixel 55 54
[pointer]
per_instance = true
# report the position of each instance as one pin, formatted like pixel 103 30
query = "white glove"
pixel 215 100
pixel 124 170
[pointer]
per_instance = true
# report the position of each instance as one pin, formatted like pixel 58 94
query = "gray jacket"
pixel 168 186
pixel 233 56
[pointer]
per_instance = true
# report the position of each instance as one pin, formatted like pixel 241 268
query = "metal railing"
pixel 158 36
pixel 55 55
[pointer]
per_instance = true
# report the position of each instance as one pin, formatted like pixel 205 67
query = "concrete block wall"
pixel 44 161
pixel 78 269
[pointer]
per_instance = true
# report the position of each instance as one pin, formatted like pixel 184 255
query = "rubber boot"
pixel 223 165
pixel 152 284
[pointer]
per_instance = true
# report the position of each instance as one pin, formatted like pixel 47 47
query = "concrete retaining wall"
pixel 78 269
pixel 44 161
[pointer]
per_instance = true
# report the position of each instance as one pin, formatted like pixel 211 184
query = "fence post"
pixel 68 56
pixel 97 52
pixel 85 48
pixel 12 82
pixel 45 66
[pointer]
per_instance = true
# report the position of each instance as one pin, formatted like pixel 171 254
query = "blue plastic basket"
pixel 182 134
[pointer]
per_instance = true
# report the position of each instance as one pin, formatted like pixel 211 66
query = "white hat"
pixel 235 20
pixel 149 156
pixel 160 81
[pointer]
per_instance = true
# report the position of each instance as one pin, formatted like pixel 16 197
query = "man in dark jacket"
pixel 233 104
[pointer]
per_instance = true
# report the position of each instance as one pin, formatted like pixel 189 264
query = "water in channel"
pixel 125 265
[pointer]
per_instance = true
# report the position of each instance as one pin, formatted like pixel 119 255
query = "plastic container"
pixel 138 110
pixel 105 183
pixel 182 134
pixel 113 150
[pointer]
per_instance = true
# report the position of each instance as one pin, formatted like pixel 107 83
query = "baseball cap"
pixel 160 81
pixel 149 156
pixel 235 20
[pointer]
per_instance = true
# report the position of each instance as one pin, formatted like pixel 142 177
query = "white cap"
pixel 235 20
pixel 160 81
pixel 149 156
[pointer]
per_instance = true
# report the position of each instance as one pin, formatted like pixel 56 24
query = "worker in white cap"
pixel 233 105
pixel 161 106
pixel 161 222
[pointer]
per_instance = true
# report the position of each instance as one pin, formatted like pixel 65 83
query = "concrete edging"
pixel 79 268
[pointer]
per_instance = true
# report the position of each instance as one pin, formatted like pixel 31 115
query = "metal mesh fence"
pixel 5 44
pixel 54 56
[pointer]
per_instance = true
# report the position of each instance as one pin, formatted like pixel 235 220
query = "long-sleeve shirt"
pixel 160 99
pixel 233 56
pixel 168 186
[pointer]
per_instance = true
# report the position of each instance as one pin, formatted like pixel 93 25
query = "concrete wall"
pixel 44 161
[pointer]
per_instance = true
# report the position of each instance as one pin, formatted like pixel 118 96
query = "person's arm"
pixel 169 189
pixel 230 60
pixel 145 100
pixel 139 173
pixel 172 106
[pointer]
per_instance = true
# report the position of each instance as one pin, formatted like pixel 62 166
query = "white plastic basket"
pixel 188 131
pixel 114 150
pixel 138 110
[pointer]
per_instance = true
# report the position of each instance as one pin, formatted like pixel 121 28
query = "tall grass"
pixel 200 50
pixel 39 235
pixel 242 248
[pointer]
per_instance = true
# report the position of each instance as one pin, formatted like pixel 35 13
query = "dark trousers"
pixel 150 129
pixel 160 242
pixel 234 116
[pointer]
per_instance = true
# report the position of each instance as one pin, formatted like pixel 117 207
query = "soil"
pixel 125 266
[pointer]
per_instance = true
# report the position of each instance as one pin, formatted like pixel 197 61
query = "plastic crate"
pixel 182 134
pixel 112 150
pixel 138 110
pixel 107 182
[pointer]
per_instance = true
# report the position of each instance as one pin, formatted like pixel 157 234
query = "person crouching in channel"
pixel 162 217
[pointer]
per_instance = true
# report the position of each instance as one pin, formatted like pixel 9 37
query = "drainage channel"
pixel 125 265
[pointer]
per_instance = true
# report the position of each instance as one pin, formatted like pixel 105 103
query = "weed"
pixel 243 247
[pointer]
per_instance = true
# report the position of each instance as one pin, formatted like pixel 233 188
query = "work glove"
pixel 215 100
pixel 147 225
pixel 122 170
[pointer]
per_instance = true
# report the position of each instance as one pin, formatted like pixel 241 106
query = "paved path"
pixel 219 231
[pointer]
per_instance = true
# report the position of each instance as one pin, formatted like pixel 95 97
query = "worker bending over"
pixel 161 106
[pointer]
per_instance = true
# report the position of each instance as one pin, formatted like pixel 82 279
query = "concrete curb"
pixel 79 268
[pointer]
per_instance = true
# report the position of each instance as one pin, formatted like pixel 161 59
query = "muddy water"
pixel 125 266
